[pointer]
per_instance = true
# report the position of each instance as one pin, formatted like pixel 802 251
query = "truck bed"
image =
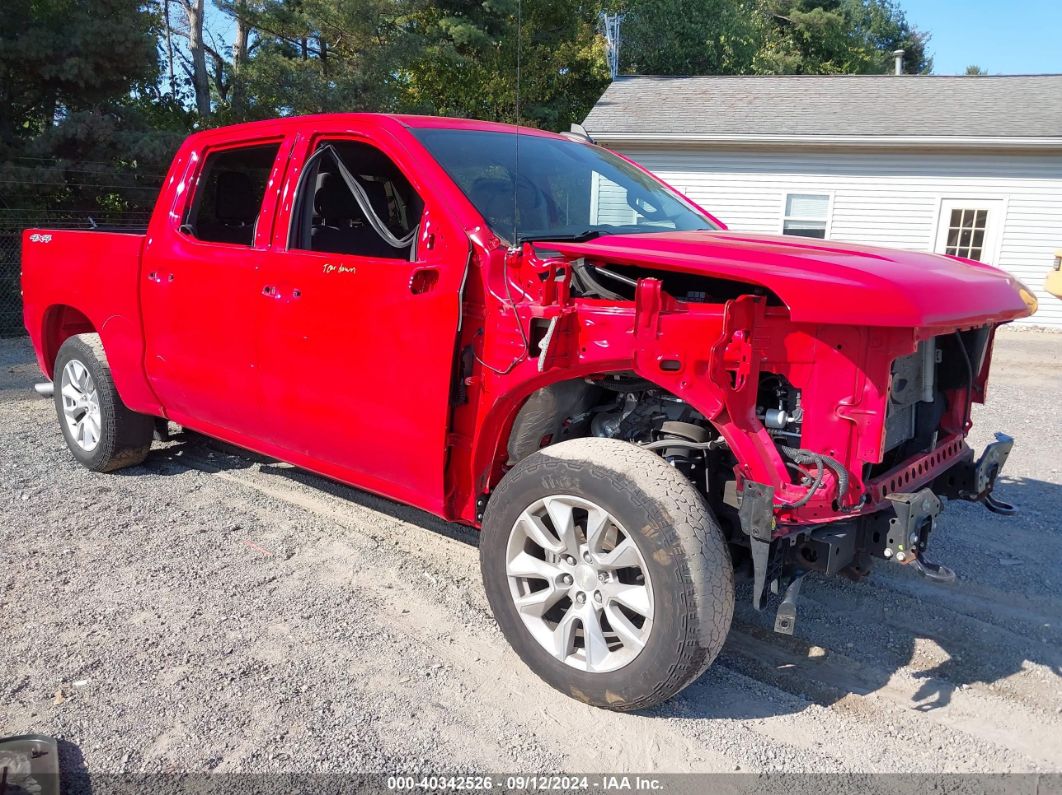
pixel 98 272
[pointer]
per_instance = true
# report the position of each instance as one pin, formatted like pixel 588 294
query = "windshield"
pixel 565 190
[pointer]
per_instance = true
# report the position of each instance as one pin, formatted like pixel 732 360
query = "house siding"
pixel 887 199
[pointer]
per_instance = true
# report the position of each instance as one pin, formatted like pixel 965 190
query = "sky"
pixel 1009 37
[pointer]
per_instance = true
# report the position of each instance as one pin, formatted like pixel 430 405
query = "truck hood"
pixel 823 281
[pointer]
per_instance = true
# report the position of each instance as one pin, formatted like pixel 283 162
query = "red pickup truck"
pixel 529 334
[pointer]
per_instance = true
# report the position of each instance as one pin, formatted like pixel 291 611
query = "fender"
pixel 122 343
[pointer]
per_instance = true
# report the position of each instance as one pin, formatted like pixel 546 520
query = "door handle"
pixel 271 291
pixel 423 279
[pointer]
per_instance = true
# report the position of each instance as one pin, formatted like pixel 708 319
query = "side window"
pixel 229 195
pixel 353 199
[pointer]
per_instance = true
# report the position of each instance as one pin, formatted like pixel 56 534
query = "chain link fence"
pixel 12 224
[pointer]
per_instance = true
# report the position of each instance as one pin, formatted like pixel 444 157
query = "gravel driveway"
pixel 211 611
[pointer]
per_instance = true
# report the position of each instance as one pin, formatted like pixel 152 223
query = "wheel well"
pixel 629 408
pixel 570 409
pixel 60 323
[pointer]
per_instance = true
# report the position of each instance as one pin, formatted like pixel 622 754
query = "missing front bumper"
pixel 898 531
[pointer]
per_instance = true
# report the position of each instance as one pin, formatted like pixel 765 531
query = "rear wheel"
pixel 607 572
pixel 101 432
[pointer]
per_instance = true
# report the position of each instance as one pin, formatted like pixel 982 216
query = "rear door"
pixel 201 295
pixel 358 340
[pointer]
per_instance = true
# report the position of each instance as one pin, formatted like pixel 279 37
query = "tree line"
pixel 95 95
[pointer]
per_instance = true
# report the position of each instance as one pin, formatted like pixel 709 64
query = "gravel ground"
pixel 215 612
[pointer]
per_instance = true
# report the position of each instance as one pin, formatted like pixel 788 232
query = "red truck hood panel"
pixel 826 282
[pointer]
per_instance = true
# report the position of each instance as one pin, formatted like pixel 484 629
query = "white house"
pixel 961 165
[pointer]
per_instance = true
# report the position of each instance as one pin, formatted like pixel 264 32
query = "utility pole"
pixel 610 27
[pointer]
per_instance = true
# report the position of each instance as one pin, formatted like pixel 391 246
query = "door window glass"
pixel 353 199
pixel 229 195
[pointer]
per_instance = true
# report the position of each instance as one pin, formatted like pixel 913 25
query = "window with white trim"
pixel 970 228
pixel 806 214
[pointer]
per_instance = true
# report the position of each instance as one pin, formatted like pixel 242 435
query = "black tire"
pixel 680 541
pixel 125 436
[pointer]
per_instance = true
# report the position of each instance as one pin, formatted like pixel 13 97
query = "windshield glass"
pixel 564 189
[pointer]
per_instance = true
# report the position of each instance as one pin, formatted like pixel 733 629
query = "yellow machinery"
pixel 1053 284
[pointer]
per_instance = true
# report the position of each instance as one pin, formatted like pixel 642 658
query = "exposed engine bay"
pixel 626 407
pixel 918 392
pixel 617 282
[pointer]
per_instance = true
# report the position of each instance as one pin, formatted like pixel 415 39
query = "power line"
pixel 110 163
pixel 159 177
pixel 79 185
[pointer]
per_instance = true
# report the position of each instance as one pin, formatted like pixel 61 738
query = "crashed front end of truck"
pixel 861 503
pixel 819 445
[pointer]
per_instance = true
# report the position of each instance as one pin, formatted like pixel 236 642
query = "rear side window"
pixel 229 195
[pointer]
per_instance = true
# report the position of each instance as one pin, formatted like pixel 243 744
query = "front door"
pixel 202 307
pixel 970 228
pixel 358 342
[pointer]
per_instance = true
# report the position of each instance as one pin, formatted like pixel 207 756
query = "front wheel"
pixel 101 432
pixel 607 572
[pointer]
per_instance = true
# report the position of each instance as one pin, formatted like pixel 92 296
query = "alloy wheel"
pixel 81 405
pixel 580 583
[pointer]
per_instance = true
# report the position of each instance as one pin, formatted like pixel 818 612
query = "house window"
pixel 970 228
pixel 806 214
pixel 966 233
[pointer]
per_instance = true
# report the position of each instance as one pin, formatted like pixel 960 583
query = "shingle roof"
pixel 1006 107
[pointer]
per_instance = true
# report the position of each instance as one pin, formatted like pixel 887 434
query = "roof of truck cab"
pixel 285 124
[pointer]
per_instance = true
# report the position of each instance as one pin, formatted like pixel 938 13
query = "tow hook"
pixel 987 469
pixel 906 535
pixel 909 529
pixel 996 505
pixel 933 571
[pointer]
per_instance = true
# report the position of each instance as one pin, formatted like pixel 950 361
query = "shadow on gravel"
pixel 209 454
pixel 73 772
pixel 1038 502
pixel 190 450
pixel 396 510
